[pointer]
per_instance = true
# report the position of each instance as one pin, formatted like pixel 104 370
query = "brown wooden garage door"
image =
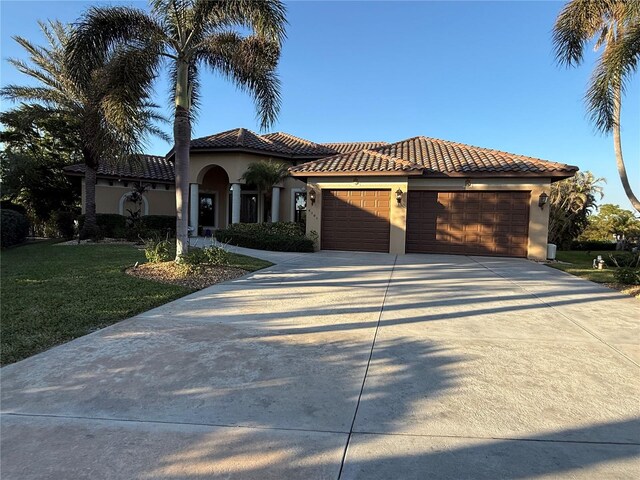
pixel 468 223
pixel 355 220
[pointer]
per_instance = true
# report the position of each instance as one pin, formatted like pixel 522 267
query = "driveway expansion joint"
pixel 366 370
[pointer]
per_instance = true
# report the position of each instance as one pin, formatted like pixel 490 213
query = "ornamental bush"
pixel 14 228
pixel 279 236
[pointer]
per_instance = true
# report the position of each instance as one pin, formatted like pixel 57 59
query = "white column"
pixel 194 207
pixel 235 203
pixel 275 204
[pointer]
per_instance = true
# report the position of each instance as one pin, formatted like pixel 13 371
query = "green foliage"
pixel 613 27
pixel 198 259
pixel 611 220
pixel 625 259
pixel 217 256
pixel 14 228
pixel 280 236
pixel 570 203
pixel 63 223
pixel 591 246
pixel 111 225
pixel 162 224
pixel 157 251
pixel 627 275
pixel 265 174
pixel 36 148
pixel 628 267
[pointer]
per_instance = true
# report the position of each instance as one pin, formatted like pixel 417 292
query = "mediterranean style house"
pixel 420 195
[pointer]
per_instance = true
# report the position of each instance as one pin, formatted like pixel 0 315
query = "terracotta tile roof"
pixel 296 145
pixel 148 167
pixel 347 147
pixel 280 144
pixel 430 156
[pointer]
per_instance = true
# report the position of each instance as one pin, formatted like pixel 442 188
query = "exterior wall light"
pixel 312 196
pixel 542 200
pixel 399 194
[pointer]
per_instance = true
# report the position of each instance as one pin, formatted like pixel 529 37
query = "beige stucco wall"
pixel 538 218
pixel 108 197
pixel 397 215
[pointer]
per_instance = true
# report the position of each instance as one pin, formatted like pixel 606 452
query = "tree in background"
pixel 36 148
pixel 611 222
pixel 265 174
pixel 107 108
pixel 187 34
pixel 571 202
pixel 615 26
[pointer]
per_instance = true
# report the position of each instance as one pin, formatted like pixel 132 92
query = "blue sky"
pixel 481 73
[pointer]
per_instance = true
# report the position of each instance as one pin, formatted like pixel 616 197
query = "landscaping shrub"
pixel 280 236
pixel 64 224
pixel 197 259
pixel 589 246
pixel 157 251
pixel 627 275
pixel 111 225
pixel 628 267
pixel 9 205
pixel 14 228
pixel 159 223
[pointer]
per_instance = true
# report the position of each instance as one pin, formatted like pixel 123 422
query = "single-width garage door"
pixel 355 220
pixel 468 223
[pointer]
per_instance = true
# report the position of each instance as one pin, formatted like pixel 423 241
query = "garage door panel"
pixel 473 223
pixel 355 220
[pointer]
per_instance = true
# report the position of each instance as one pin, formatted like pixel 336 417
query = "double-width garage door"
pixel 469 223
pixel 355 220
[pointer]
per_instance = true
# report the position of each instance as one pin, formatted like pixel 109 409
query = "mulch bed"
pixel 169 272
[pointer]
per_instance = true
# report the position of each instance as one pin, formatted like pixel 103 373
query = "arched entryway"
pixel 209 201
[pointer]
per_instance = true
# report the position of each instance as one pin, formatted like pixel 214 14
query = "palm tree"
pixel 615 26
pixel 571 202
pixel 107 109
pixel 188 34
pixel 265 174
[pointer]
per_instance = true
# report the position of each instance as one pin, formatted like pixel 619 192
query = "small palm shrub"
pixel 279 236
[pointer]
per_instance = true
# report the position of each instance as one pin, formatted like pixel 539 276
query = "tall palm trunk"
pixel 182 139
pixel 617 146
pixel 90 227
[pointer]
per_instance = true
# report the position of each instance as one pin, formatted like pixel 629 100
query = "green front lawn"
pixel 54 293
pixel 580 264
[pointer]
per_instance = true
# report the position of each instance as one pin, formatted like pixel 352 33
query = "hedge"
pixel 160 224
pixel 14 228
pixel 111 225
pixel 279 237
pixel 592 246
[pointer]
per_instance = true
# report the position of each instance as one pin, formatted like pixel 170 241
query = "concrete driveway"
pixel 341 365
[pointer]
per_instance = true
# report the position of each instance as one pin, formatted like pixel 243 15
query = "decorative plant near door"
pixel 265 175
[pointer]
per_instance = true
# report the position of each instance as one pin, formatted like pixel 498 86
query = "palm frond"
pixel 250 63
